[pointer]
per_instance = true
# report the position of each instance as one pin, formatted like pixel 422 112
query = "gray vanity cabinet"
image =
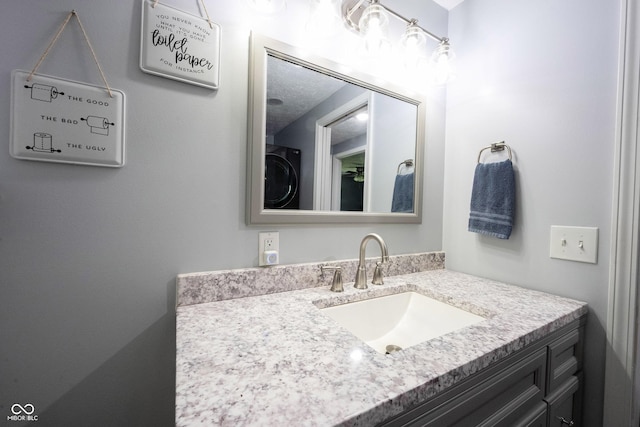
pixel 564 392
pixel 538 386
pixel 565 404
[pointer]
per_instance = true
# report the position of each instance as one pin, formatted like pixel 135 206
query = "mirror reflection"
pixel 351 129
pixel 348 161
pixel 333 148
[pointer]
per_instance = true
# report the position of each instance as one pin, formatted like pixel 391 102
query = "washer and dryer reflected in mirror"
pixel 329 147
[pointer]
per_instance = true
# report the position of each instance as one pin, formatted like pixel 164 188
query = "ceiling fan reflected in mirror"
pixel 357 174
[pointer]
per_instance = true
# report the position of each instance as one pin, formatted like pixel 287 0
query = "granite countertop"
pixel 278 360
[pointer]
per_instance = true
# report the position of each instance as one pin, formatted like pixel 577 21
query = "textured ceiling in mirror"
pixel 293 90
pixel 298 88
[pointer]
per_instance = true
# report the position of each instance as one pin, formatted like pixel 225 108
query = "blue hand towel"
pixel 493 199
pixel 402 200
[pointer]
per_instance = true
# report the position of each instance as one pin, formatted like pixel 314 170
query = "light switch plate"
pixel 574 243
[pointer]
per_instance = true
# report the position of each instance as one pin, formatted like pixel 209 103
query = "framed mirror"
pixel 329 145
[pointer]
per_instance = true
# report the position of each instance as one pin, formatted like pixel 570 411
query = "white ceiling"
pixel 448 4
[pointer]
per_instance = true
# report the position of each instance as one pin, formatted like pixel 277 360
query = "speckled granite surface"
pixel 277 359
pixel 209 286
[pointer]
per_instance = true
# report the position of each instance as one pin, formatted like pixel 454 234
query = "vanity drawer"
pixel 537 417
pixel 565 403
pixel 506 398
pixel 565 359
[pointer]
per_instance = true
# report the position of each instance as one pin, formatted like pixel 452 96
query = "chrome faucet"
pixel 361 274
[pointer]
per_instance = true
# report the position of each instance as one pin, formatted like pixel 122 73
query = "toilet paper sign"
pixel 180 46
pixel 57 120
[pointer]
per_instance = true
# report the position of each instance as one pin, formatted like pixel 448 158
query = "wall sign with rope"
pixel 58 120
pixel 180 46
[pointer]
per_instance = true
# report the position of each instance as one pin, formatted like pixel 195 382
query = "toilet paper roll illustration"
pixel 44 93
pixel 98 125
pixel 43 143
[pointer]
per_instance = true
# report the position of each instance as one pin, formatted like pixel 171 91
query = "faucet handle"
pixel 336 283
pixel 377 275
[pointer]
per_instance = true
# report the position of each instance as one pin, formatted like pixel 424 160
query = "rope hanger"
pixel 55 39
pixel 204 6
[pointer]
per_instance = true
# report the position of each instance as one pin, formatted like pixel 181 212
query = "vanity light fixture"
pixel 370 19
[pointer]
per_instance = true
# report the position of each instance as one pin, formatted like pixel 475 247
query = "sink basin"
pixel 399 321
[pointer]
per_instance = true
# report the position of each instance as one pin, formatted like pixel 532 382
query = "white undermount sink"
pixel 399 321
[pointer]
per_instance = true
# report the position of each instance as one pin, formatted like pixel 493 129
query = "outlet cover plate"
pixel 268 248
pixel 574 243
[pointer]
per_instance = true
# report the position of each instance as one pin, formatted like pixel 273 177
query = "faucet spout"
pixel 361 274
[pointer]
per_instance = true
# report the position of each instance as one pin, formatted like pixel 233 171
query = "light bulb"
pixel 413 37
pixel 373 25
pixel 363 117
pixel 442 59
pixel 412 42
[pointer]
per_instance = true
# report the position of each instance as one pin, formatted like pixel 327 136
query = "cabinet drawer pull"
pixel 565 422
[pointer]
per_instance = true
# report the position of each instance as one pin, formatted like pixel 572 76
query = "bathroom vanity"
pixel 537 387
pixel 277 359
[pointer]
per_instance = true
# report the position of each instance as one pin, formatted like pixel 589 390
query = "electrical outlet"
pixel 574 243
pixel 268 248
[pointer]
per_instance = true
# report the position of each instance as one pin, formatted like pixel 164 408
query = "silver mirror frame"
pixel 260 48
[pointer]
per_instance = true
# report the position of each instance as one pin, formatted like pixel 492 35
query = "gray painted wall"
pixel 541 76
pixel 88 255
pixel 393 121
